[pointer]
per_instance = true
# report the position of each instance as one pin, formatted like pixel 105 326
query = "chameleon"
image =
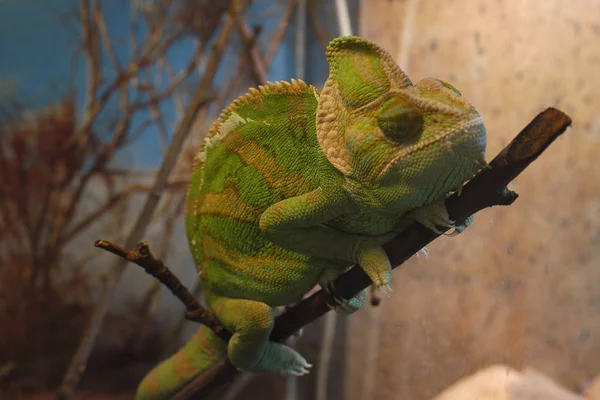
pixel 292 186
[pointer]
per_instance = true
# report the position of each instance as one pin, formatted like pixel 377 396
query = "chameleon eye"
pixel 449 86
pixel 399 119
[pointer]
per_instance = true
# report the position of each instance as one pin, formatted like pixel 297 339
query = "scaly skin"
pixel 294 186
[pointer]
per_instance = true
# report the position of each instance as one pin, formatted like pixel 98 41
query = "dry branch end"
pixel 143 257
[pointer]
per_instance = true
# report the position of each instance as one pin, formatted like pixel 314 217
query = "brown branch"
pixel 110 203
pixel 179 107
pixel 488 188
pixel 93 64
pixel 144 258
pixel 145 309
pixel 160 126
pixel 174 82
pixel 132 137
pixel 101 160
pixel 133 29
pixel 172 336
pixel 122 136
pixel 314 21
pixel 258 68
pixel 105 36
pixel 237 85
pixel 150 49
pixel 280 32
pixel 79 361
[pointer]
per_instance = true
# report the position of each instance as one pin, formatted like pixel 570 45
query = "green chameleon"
pixel 293 186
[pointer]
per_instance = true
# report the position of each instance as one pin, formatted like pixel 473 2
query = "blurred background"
pixel 92 94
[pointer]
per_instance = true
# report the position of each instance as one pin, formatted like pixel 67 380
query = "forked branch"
pixel 142 256
pixel 486 189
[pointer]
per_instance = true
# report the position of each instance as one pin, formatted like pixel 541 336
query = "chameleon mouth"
pixel 447 137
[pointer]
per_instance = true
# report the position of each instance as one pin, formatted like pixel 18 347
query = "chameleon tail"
pixel 171 375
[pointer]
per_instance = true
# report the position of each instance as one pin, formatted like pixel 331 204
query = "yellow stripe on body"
pixel 253 154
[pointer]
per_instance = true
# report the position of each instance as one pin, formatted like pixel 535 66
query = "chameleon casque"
pixel 293 186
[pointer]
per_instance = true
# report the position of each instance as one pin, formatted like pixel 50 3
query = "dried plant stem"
pixel 203 95
pixel 257 63
pixel 143 257
pixel 314 20
pixel 280 32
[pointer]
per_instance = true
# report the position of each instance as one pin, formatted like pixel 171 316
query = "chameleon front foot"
pixel 435 214
pixel 376 264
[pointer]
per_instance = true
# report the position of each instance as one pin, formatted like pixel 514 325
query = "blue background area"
pixel 38 41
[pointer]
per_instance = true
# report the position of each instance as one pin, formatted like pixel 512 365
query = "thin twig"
pixel 236 85
pixel 113 201
pixel 93 64
pixel 94 105
pixel 135 134
pixel 160 126
pixel 145 310
pixel 179 107
pixel 259 71
pixel 314 21
pixel 144 258
pixel 280 32
pixel 175 81
pixel 105 36
pixel 133 30
pixel 172 336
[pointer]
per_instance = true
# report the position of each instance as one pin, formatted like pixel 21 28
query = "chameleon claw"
pixel 390 290
pixel 386 289
pixel 425 252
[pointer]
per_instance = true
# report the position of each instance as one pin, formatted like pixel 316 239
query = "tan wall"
pixel 522 285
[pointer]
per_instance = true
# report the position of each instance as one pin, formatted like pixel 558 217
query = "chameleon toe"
pixel 301 368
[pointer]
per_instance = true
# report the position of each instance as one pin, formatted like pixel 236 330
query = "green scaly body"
pixel 293 186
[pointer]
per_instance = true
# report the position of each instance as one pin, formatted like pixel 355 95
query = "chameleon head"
pixel 379 129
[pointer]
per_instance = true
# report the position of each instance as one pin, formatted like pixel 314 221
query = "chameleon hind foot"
pixel 249 348
pixel 282 359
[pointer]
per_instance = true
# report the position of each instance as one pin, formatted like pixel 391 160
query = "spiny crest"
pixel 255 95
pixel 229 119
